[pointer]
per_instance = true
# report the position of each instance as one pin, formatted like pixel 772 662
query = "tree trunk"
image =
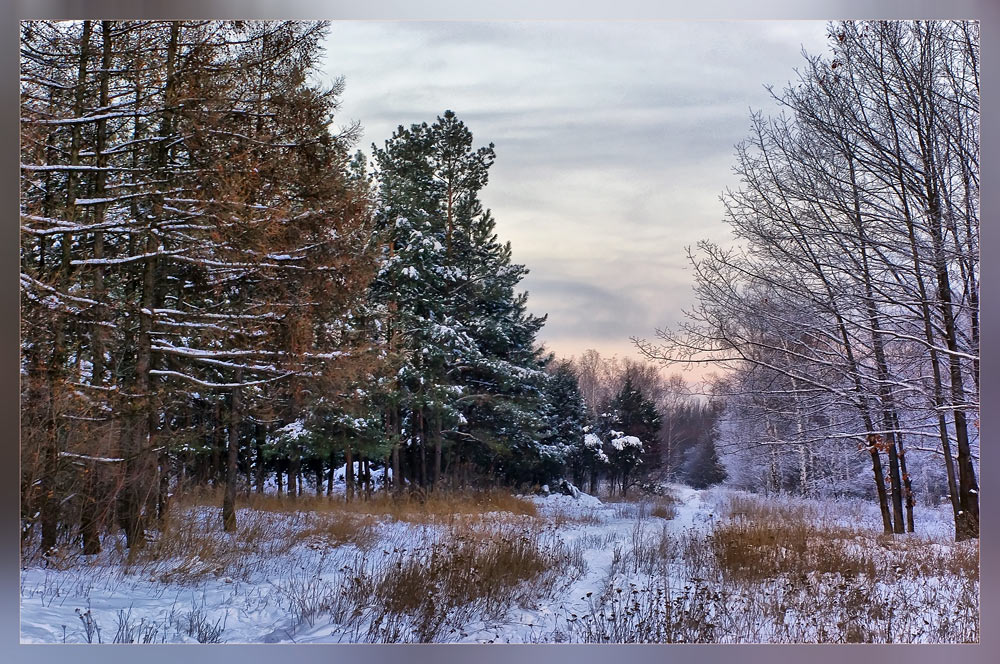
pixel 235 416
pixel 397 474
pixel 895 485
pixel 259 438
pixel 216 438
pixel 163 494
pixel 905 476
pixel 90 521
pixel 368 476
pixel 437 452
pixel 423 448
pixel 349 473
pixel 329 475
pixel 293 475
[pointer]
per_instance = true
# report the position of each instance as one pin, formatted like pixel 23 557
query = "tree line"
pixel 215 290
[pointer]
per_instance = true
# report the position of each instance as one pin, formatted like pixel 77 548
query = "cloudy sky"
pixel 614 141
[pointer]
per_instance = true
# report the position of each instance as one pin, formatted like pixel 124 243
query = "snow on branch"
pixel 203 383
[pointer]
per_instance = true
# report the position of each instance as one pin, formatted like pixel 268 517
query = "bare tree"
pixel 855 214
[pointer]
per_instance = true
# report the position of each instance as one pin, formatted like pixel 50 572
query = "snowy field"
pixel 680 568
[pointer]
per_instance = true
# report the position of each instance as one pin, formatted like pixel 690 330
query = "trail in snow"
pixel 603 541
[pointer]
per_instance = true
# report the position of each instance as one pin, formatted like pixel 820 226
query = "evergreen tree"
pixel 588 459
pixel 703 468
pixel 635 415
pixel 625 456
pixel 566 416
pixel 470 385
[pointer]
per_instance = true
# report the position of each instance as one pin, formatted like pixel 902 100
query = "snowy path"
pixel 691 507
pixel 600 542
pixel 53 600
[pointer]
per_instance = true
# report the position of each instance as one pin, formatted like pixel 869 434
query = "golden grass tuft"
pixel 432 507
pixel 754 550
pixel 760 539
pixel 464 567
pixel 474 571
pixel 664 507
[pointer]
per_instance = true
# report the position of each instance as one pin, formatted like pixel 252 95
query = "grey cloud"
pixel 614 141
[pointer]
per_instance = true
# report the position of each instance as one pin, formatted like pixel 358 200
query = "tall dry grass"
pixel 189 543
pixel 473 572
pixel 759 539
pixel 430 507
pixel 464 574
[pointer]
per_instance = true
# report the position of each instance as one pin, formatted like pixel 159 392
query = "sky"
pixel 614 141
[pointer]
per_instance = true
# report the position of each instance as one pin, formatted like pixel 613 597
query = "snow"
pixel 256 610
pixel 560 502
pixel 87 457
pixel 626 441
pixel 294 430
pixel 340 476
pixel 268 598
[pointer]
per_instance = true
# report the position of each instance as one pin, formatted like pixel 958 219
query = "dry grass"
pixel 647 613
pixel 470 573
pixel 916 556
pixel 466 566
pixel 642 505
pixel 663 507
pixel 409 507
pixel 781 572
pixel 762 539
pixel 463 574
pixel 751 508
pixel 755 550
pixel 190 544
pixel 338 530
pixel 559 518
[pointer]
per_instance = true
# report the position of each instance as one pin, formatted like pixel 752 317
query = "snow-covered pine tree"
pixel 409 290
pixel 634 414
pixel 470 378
pixel 562 446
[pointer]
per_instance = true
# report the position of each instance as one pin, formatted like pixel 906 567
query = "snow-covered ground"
pixel 299 594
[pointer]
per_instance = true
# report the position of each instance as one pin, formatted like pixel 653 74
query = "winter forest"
pixel 280 386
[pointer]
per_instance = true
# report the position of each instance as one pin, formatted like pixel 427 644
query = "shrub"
pixel 471 571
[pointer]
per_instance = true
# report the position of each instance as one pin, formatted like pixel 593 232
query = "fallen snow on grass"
pixel 594 571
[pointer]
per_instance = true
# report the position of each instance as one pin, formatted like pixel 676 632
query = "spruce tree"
pixel 566 416
pixel 635 415
pixel 703 467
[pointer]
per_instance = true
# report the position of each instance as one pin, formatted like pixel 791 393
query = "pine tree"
pixel 566 416
pixel 470 380
pixel 635 415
